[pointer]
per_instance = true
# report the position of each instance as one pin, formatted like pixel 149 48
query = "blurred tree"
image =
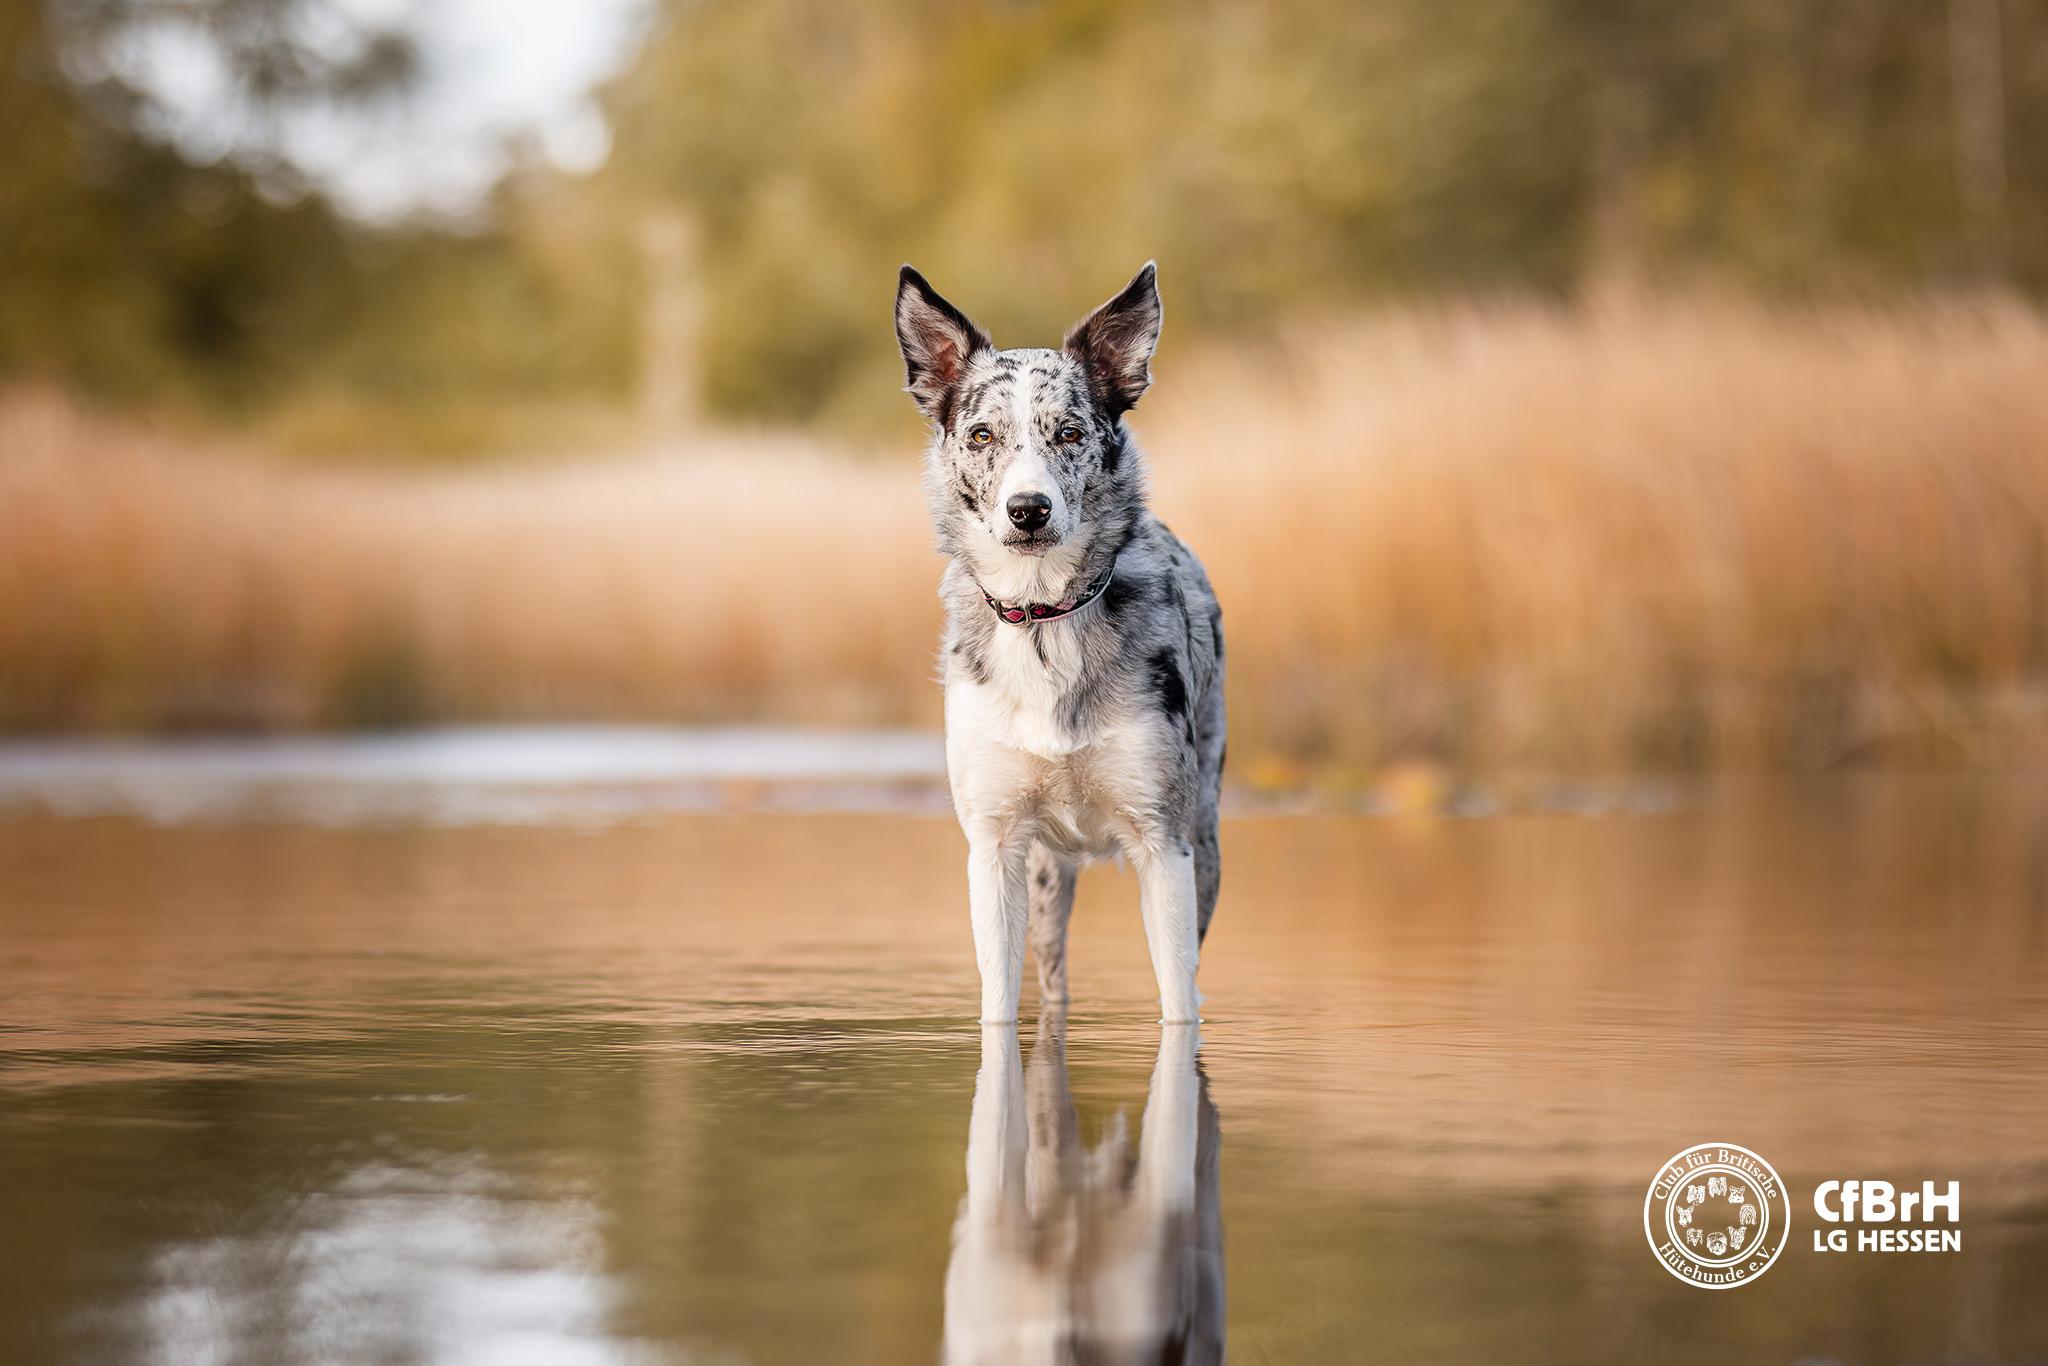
pixel 127 268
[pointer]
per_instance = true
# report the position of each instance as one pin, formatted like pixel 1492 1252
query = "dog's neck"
pixel 1063 574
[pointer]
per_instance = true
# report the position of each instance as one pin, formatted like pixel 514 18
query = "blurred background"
pixel 1551 385
pixel 475 877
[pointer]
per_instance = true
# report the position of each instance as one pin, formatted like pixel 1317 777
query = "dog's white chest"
pixel 1032 670
pixel 1014 747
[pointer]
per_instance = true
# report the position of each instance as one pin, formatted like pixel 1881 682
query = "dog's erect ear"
pixel 937 341
pixel 1115 342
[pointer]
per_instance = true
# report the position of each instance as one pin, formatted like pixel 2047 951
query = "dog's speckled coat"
pixel 1089 735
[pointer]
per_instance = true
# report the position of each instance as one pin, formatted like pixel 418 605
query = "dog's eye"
pixel 1070 434
pixel 981 436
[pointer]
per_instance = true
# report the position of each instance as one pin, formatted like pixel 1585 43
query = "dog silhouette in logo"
pixel 1695 1195
pixel 1717 1185
pixel 1736 1236
pixel 1684 1215
pixel 1748 1215
pixel 1063 1252
pixel 1736 1195
pixel 1717 1243
pixel 1692 1237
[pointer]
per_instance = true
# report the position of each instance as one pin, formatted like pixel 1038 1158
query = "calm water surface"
pixel 703 1087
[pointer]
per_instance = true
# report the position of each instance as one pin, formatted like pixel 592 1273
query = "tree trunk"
pixel 671 324
pixel 1615 246
pixel 1976 69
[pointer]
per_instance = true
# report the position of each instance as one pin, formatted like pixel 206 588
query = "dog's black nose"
pixel 1029 511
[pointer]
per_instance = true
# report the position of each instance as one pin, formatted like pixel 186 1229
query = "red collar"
pixel 1026 613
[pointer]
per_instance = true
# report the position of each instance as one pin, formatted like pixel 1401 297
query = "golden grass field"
pixel 1668 535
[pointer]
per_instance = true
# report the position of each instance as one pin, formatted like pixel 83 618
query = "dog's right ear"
pixel 937 341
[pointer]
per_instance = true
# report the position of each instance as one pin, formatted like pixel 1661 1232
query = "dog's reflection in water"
pixel 1069 1253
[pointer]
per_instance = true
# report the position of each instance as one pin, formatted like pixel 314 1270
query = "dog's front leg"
pixel 998 902
pixel 1166 897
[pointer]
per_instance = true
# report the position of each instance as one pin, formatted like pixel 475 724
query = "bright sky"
pixel 495 71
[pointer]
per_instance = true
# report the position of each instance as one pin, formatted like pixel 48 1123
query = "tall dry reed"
pixel 1674 534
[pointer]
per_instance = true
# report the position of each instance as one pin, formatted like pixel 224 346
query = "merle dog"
pixel 1083 654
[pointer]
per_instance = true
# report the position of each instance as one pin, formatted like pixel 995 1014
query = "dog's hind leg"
pixel 1052 903
pixel 1208 873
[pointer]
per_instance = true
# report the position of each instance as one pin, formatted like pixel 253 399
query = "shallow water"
pixel 702 1087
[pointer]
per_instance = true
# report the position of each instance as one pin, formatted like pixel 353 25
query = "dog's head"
pixel 1029 455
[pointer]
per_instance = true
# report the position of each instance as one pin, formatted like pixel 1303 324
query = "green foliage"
pixel 236 291
pixel 1276 158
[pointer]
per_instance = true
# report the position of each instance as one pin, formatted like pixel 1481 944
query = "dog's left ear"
pixel 937 341
pixel 1115 343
